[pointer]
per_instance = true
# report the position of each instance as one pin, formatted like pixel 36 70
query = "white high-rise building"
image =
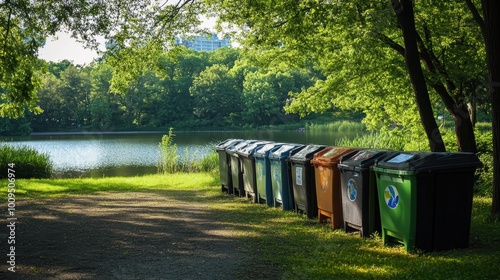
pixel 204 43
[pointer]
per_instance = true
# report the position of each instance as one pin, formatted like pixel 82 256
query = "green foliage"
pixel 14 127
pixel 484 139
pixel 28 163
pixel 342 126
pixel 171 162
pixel 168 153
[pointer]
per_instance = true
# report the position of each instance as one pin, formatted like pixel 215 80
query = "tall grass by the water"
pixel 170 161
pixel 24 162
pixel 342 126
pixel 375 140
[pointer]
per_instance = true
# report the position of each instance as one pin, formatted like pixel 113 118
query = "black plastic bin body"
pixel 235 166
pixel 225 164
pixel 360 206
pixel 444 189
pixel 247 159
pixel 303 180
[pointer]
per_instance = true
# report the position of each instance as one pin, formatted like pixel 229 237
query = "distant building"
pixel 203 43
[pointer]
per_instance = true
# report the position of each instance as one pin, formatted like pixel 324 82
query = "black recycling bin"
pixel 247 159
pixel 235 166
pixel 224 164
pixel 303 180
pixel 443 186
pixel 359 192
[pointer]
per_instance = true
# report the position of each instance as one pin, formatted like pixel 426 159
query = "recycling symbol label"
pixel 391 196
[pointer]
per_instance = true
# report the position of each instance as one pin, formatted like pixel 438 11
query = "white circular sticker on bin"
pixel 391 196
pixel 352 190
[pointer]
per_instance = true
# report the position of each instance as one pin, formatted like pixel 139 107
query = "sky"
pixel 64 47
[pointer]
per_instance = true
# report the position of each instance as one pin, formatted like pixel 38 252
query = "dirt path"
pixel 125 236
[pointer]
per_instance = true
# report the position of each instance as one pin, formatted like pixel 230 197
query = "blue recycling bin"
pixel 263 173
pixel 281 176
pixel 224 164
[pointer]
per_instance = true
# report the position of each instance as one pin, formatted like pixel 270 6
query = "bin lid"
pixel 250 149
pixel 234 148
pixel 332 155
pixel 428 161
pixel 307 153
pixel 226 143
pixel 362 159
pixel 285 151
pixel 266 149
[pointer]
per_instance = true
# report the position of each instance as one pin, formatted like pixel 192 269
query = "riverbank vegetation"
pixel 294 246
pixel 26 162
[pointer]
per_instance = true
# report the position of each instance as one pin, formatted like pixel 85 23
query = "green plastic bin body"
pixel 397 195
pixel 328 188
pixel 303 181
pixel 236 167
pixel 281 179
pixel 426 199
pixel 246 155
pixel 263 174
pixel 359 192
pixel 224 164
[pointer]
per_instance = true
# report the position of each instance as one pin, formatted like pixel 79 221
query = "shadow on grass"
pixel 185 230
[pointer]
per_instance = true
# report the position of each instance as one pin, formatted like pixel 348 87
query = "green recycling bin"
pixel 224 164
pixel 281 176
pixel 327 178
pixel 235 166
pixel 426 199
pixel 359 192
pixel 303 181
pixel 246 155
pixel 263 173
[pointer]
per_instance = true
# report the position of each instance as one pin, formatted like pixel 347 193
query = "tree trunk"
pixel 491 10
pixel 464 129
pixel 405 16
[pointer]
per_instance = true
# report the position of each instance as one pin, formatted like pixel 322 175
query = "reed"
pixel 26 162
pixel 339 126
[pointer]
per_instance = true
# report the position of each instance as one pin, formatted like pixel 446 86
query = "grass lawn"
pixel 299 247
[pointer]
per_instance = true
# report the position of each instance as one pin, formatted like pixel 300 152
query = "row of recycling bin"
pixel 420 199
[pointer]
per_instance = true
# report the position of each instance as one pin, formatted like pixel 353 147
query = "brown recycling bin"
pixel 328 188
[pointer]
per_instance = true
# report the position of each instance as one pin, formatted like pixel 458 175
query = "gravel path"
pixel 125 236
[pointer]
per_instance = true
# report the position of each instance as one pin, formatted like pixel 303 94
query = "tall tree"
pixel 406 20
pixel 491 10
pixel 355 43
pixel 25 25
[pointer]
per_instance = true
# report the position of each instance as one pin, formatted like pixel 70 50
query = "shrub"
pixel 28 162
pixel 168 153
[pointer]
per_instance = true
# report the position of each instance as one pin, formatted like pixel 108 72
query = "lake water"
pixel 130 154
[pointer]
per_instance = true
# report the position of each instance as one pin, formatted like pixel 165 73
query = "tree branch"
pixel 388 41
pixel 476 15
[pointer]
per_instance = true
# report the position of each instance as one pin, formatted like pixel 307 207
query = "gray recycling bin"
pixel 235 166
pixel 247 159
pixel 426 199
pixel 281 177
pixel 224 164
pixel 303 180
pixel 263 173
pixel 359 192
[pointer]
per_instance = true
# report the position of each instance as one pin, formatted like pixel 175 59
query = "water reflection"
pixel 131 154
